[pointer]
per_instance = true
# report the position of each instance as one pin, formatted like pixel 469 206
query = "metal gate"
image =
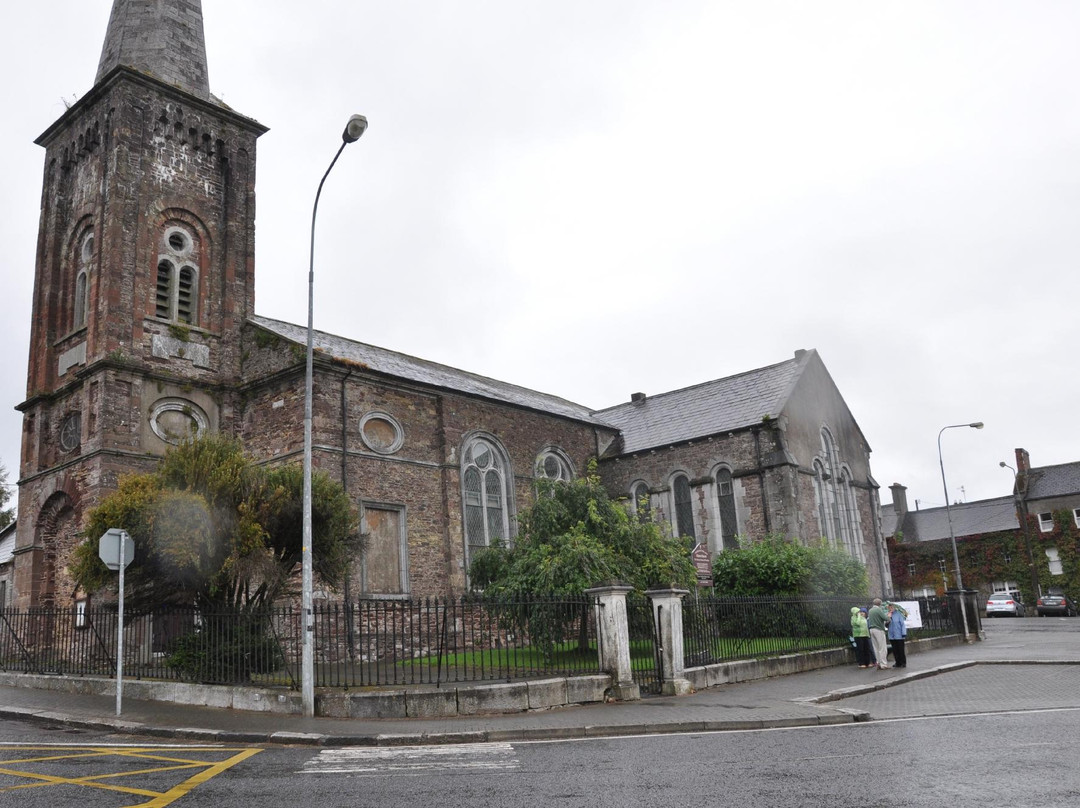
pixel 644 644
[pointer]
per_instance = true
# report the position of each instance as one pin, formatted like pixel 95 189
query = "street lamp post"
pixel 948 514
pixel 1021 513
pixel 353 130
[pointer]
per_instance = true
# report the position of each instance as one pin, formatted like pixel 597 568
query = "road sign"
pixel 109 547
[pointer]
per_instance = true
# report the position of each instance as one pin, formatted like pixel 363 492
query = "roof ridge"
pixel 703 384
pixel 427 362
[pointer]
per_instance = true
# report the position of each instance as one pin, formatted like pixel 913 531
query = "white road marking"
pixel 415 760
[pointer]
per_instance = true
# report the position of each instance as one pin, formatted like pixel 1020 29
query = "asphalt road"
pixel 1007 737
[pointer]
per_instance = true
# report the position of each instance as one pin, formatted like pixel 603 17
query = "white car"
pixel 1005 603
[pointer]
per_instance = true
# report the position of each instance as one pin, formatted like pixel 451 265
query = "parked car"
pixel 1055 602
pixel 1005 603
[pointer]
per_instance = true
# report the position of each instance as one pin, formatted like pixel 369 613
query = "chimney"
pixel 1023 461
pixel 899 501
pixel 800 353
pixel 637 398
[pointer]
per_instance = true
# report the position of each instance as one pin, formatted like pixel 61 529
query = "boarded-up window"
pixel 385 570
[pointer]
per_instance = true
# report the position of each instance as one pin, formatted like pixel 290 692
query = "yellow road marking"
pixel 158 799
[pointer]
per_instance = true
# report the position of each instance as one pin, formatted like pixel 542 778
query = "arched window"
pixel 852 523
pixel 639 496
pixel 83 261
pixel 820 499
pixel 725 495
pixel 552 464
pixel 485 487
pixel 684 506
pixel 176 294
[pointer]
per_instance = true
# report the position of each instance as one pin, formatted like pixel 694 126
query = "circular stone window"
pixel 176 420
pixel 71 432
pixel 179 242
pixel 381 432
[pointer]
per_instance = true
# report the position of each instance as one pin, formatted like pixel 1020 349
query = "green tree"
pixel 776 566
pixel 214 529
pixel 574 537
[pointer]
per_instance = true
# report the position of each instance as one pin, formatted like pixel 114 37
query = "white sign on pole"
pixel 117 550
pixel 110 545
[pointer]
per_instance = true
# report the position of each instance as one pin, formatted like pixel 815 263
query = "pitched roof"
pixel 705 409
pixel 163 38
pixel 1054 481
pixel 432 374
pixel 968 519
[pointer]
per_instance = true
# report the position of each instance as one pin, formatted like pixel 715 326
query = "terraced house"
pixel 144 333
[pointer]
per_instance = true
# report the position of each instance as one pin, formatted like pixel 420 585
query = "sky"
pixel 597 198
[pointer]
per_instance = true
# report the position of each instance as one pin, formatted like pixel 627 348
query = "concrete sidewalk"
pixel 804 699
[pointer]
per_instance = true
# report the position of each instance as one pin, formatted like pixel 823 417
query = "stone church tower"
pixel 144 277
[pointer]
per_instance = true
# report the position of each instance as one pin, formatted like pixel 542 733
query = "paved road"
pixel 992 734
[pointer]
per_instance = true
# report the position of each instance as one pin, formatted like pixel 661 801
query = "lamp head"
pixel 976 425
pixel 1002 464
pixel 356 126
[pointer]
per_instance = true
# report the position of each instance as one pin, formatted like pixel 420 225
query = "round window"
pixel 178 240
pixel 71 432
pixel 87 251
pixel 176 420
pixel 381 433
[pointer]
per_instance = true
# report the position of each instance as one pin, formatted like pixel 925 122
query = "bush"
pixel 226 649
pixel 777 566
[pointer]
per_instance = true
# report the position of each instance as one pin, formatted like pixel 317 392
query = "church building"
pixel 144 333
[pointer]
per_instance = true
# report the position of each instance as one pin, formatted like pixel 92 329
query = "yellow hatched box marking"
pixel 160 761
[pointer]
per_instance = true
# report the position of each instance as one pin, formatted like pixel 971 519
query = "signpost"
pixel 703 564
pixel 117 550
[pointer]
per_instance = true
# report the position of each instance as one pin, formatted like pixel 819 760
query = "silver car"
pixel 1005 603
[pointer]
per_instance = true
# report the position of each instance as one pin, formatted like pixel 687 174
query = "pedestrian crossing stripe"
pixel 415 760
pixel 26 769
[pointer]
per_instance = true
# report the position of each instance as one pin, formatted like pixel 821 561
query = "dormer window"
pixel 176 296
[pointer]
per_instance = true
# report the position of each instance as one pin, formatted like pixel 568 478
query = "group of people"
pixel 873 630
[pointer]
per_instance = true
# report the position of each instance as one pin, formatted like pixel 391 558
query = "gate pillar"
pixel 667 616
pixel 613 632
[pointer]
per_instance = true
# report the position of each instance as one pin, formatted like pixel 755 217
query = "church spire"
pixel 163 38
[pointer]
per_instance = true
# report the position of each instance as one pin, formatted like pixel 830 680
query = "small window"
pixel 1046 522
pixel 552 465
pixel 911 569
pixel 381 433
pixel 80 300
pixel 184 305
pixel 1054 560
pixel 70 432
pixel 1076 516
pixel 163 300
pixel 80 613
pixel 639 495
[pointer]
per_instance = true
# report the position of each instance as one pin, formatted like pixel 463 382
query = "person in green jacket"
pixel 860 633
pixel 878 620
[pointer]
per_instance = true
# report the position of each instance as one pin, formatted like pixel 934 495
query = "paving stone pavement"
pixel 1023 665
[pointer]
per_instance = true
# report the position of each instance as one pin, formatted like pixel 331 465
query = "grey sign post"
pixel 117 550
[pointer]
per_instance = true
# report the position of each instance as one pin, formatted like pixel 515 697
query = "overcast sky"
pixel 596 197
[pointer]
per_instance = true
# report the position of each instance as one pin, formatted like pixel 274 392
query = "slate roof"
pixel 968 518
pixel 705 409
pixel 432 374
pixel 1054 481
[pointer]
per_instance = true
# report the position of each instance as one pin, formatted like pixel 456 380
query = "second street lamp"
pixel 948 513
pixel 356 127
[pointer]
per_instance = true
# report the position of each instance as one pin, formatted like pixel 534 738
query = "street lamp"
pixel 1021 512
pixel 948 514
pixel 353 130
